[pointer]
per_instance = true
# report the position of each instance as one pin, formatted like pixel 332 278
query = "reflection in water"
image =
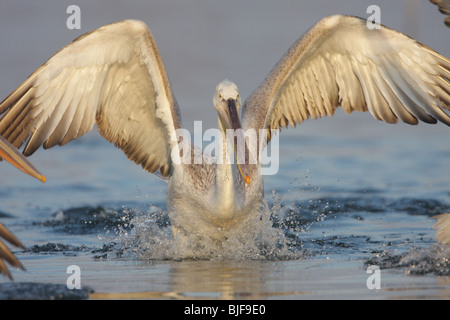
pixel 231 280
pixel 214 280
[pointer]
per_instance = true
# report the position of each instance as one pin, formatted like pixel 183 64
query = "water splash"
pixel 151 238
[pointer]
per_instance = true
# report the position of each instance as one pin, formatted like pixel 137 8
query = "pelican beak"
pixel 244 168
pixel 12 155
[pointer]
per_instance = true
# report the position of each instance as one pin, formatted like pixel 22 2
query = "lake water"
pixel 351 191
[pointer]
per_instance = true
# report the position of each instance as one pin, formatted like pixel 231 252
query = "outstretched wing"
pixel 112 76
pixel 341 62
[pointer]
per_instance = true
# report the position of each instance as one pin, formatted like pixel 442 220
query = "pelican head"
pixel 227 103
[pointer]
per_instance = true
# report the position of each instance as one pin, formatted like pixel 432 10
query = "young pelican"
pixel 114 77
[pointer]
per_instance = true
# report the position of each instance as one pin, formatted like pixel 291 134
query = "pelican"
pixel 114 77
pixel 8 152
